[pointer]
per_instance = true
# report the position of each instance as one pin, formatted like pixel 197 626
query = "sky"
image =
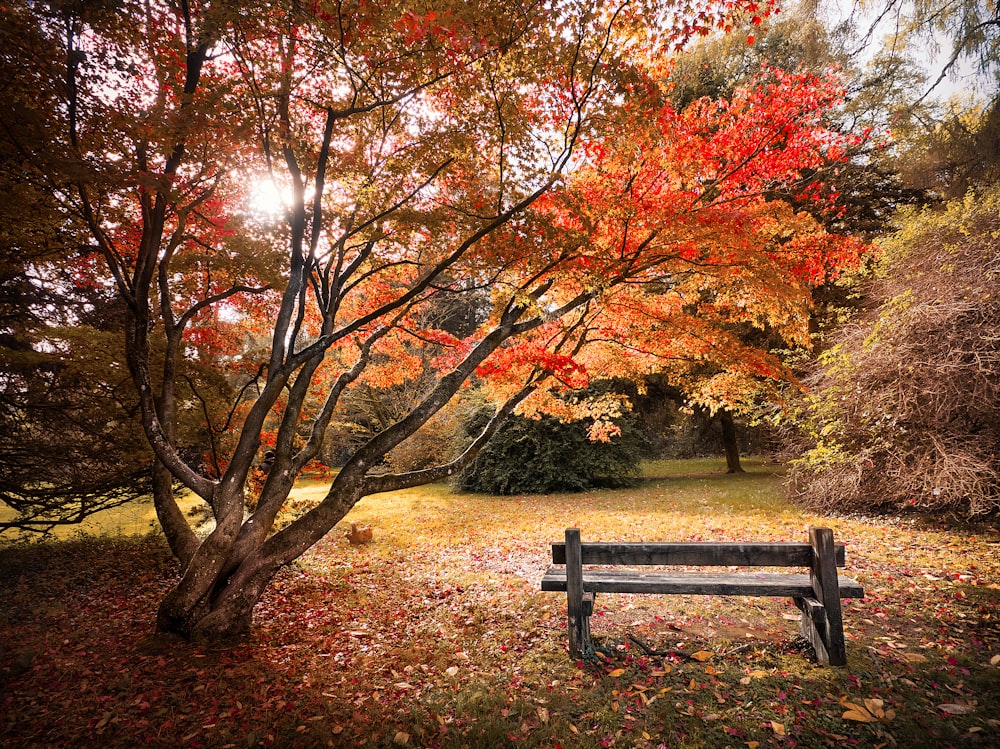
pixel 882 31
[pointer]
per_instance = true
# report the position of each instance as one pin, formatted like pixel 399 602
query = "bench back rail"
pixel 697 554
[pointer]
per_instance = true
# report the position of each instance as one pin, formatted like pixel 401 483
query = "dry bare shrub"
pixel 903 411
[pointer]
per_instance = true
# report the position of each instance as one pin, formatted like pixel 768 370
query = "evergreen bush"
pixel 545 455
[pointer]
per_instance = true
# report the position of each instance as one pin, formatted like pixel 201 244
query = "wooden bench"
pixel 816 593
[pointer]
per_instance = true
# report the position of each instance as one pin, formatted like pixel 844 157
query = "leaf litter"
pixel 434 634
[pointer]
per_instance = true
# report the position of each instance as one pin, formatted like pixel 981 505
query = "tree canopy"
pixel 520 158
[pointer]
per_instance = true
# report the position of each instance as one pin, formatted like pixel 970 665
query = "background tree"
pixel 70 442
pixel 866 185
pixel 957 151
pixel 421 156
pixel 931 73
pixel 957 32
pixel 879 97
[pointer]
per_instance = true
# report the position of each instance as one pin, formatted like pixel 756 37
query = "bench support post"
pixel 822 621
pixel 578 620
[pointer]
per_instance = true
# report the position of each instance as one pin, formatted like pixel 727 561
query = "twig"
pixel 740 649
pixel 658 653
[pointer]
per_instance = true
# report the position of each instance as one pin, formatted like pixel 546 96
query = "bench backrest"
pixel 697 554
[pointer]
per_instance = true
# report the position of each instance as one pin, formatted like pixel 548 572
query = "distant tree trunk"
pixel 729 442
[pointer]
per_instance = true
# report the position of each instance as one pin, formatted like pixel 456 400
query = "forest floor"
pixel 435 635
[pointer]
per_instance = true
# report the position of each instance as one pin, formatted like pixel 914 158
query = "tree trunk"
pixel 729 442
pixel 225 613
pixel 180 537
pixel 213 602
pixel 221 624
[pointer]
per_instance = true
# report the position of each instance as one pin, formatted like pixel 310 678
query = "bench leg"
pixel 815 627
pixel 579 605
pixel 579 635
pixel 584 648
pixel 579 631
pixel 588 611
pixel 826 590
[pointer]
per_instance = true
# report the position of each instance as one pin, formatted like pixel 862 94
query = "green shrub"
pixel 545 455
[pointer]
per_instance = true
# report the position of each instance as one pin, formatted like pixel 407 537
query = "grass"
pixel 435 634
pixel 135 518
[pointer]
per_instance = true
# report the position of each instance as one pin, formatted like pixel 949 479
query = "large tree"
pixel 419 156
pixel 930 70
pixel 69 442
pixel 956 39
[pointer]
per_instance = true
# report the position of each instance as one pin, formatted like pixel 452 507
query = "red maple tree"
pixel 515 158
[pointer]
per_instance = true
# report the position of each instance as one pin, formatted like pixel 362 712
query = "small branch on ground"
pixel 658 653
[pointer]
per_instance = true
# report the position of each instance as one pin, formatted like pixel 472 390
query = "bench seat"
pixel 778 585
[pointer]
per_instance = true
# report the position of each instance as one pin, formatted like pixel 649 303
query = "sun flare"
pixel 267 198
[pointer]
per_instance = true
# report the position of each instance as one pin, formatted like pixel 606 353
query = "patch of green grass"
pixel 133 519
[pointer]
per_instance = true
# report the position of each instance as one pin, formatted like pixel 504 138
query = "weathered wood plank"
pixel 697 554
pixel 695 583
pixel 825 589
pixel 575 619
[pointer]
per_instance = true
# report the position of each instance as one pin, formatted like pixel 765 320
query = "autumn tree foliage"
pixel 521 152
pixel 880 93
pixel 674 228
pixel 69 445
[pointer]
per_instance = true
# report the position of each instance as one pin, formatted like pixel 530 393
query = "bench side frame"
pixel 577 621
pixel 823 625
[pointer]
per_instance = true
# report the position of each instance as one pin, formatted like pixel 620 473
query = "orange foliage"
pixel 675 234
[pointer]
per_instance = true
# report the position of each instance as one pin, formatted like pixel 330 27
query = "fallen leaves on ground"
pixel 870 711
pixel 435 635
